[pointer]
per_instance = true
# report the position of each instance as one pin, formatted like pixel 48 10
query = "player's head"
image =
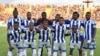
pixel 16 25
pixel 29 15
pixel 31 26
pixel 74 29
pixel 44 15
pixel 57 17
pixel 75 15
pixel 88 15
pixel 61 20
pixel 45 24
pixel 15 12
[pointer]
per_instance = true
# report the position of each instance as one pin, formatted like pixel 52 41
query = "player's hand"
pixel 11 48
pixel 92 40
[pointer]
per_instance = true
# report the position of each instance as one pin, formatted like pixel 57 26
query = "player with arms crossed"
pixel 59 37
pixel 14 40
pixel 76 39
pixel 44 38
pixel 90 32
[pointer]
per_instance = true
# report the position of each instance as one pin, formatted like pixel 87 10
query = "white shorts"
pixel 32 44
pixel 17 44
pixel 87 45
pixel 47 44
pixel 61 46
pixel 72 45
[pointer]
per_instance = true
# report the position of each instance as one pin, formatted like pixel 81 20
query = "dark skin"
pixel 16 25
pixel 31 26
pixel 75 16
pixel 29 15
pixel 57 17
pixel 45 26
pixel 44 15
pixel 74 29
pixel 88 16
pixel 15 14
pixel 61 21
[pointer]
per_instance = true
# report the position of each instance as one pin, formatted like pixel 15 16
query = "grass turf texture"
pixel 4 44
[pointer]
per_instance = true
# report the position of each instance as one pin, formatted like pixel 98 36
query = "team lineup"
pixel 21 34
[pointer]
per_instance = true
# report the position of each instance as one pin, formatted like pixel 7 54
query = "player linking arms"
pixel 29 39
pixel 90 32
pixel 44 38
pixel 59 37
pixel 76 39
pixel 14 40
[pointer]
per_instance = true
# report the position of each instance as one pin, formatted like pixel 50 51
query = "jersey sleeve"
pixel 94 24
pixel 9 33
pixel 67 26
pixel 81 35
pixel 82 23
pixel 67 21
pixel 9 23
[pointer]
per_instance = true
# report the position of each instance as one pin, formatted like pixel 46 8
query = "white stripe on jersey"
pixel 45 34
pixel 75 37
pixel 15 35
pixel 89 29
pixel 59 34
pixel 76 23
pixel 26 22
pixel 30 35
pixel 11 21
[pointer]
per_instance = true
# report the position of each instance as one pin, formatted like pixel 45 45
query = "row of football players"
pixel 59 26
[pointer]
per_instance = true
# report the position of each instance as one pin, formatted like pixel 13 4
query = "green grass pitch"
pixel 4 44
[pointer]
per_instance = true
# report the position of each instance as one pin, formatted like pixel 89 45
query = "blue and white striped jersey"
pixel 75 23
pixel 30 35
pixel 44 35
pixel 89 26
pixel 14 35
pixel 12 20
pixel 59 33
pixel 26 22
pixel 76 37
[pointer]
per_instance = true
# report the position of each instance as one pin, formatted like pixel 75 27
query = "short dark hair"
pixel 43 12
pixel 88 12
pixel 57 14
pixel 76 13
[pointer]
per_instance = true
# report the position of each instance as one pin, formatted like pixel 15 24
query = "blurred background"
pixel 52 7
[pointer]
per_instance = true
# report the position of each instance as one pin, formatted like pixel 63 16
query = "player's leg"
pixel 25 48
pixel 71 49
pixel 20 48
pixel 85 48
pixel 48 48
pixel 40 45
pixel 79 48
pixel 55 48
pixel 10 51
pixel 33 45
pixel 92 48
pixel 63 49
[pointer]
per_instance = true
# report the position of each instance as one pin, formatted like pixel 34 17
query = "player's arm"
pixel 8 40
pixel 81 39
pixel 94 29
pixel 68 33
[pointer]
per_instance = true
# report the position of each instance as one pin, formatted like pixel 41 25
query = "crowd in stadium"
pixel 21 32
pixel 52 10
